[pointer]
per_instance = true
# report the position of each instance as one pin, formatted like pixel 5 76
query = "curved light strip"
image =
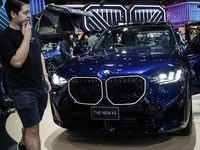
pixel 144 6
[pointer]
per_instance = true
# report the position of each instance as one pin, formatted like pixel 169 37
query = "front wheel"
pixel 188 129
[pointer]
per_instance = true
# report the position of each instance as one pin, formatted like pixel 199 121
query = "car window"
pixel 49 46
pixel 136 37
pixel 194 45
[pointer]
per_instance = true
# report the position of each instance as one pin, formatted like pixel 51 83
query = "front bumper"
pixel 161 109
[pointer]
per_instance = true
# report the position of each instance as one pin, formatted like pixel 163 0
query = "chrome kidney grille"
pixel 125 90
pixel 86 90
pixel 120 90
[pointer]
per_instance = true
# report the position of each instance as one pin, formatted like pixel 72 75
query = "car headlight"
pixel 168 77
pixel 58 80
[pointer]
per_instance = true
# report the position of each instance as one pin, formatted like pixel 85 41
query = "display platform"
pixel 54 137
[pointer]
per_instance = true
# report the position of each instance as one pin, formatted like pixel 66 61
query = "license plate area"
pixel 105 113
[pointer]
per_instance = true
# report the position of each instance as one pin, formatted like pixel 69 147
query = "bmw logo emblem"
pixel 106 72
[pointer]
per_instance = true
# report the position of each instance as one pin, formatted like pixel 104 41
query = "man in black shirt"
pixel 27 78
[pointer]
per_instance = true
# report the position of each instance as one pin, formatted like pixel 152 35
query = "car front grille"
pixel 125 90
pixel 122 90
pixel 86 90
pixel 123 125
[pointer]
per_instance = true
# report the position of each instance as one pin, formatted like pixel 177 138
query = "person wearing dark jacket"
pixel 66 47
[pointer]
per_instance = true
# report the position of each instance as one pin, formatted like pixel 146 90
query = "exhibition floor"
pixel 54 137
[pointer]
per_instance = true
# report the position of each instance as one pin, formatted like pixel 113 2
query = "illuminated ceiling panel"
pixel 106 15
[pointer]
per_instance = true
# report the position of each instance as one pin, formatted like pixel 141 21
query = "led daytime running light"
pixel 164 78
pixel 58 80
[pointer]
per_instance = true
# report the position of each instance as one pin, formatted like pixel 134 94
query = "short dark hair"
pixel 94 32
pixel 14 5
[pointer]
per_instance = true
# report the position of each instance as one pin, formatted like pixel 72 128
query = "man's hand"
pixel 49 85
pixel 26 29
pixel 22 52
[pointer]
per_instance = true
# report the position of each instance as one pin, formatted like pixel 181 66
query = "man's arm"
pixel 45 71
pixel 22 52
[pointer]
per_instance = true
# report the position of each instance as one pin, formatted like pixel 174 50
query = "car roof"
pixel 141 24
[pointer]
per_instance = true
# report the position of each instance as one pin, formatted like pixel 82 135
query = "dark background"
pixel 124 2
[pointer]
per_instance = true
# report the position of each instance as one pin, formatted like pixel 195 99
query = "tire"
pixel 51 67
pixel 188 129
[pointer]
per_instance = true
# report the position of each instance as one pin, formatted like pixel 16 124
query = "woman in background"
pixel 66 47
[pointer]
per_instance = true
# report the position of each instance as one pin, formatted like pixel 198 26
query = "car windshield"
pixel 138 38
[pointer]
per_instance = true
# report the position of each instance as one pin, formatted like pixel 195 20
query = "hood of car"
pixel 109 63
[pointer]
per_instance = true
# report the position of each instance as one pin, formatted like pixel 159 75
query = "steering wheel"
pixel 117 45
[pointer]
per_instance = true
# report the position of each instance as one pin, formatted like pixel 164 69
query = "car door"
pixel 192 53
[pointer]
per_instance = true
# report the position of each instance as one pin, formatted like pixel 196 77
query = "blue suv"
pixel 135 78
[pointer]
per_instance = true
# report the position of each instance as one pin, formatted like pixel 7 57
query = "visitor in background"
pixel 92 38
pixel 67 47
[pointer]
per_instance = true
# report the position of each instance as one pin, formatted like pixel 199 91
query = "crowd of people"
pixel 68 44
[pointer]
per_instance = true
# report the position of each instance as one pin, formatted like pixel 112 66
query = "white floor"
pixel 54 137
